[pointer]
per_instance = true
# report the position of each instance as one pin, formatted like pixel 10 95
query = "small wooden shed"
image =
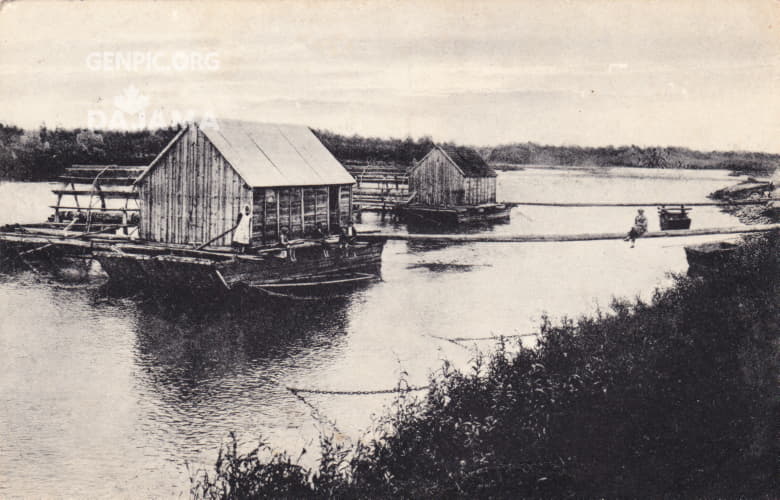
pixel 196 187
pixel 451 176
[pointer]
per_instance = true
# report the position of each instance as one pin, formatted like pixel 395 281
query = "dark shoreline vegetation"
pixel 43 154
pixel 672 398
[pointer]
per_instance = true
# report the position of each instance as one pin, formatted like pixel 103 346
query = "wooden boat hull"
pixel 455 216
pixel 199 272
pixel 675 222
pixel 672 221
pixel 329 286
pixel 709 257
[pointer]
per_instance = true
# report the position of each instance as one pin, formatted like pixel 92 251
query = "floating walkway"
pixel 531 238
pixel 645 204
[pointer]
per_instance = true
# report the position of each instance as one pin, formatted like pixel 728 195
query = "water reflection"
pixel 203 374
pixel 185 347
pixel 108 394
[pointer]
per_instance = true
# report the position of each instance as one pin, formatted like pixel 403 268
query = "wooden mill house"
pixel 453 184
pixel 192 193
pixel 195 189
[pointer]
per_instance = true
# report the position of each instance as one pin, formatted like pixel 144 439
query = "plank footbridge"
pixel 761 201
pixel 535 238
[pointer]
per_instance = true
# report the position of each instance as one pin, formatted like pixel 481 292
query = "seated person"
pixel 321 235
pixel 639 228
pixel 284 241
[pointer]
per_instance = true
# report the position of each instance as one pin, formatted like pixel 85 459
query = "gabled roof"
pixel 273 155
pixel 467 160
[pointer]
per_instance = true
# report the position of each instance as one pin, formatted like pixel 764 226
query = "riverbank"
pixel 672 397
pixel 765 213
pixel 755 214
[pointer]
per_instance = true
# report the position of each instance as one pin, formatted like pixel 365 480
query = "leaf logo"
pixel 131 101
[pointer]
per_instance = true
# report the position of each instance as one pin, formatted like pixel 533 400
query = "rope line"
pixel 725 203
pixel 316 414
pixel 297 390
pixel 457 340
pixel 495 337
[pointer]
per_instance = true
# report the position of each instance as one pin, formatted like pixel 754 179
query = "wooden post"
pixel 351 194
pixel 278 216
pixel 75 196
pixel 303 214
pixel 57 208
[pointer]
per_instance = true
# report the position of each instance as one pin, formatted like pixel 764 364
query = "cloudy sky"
pixel 703 74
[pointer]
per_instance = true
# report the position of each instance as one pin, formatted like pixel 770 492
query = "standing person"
pixel 343 238
pixel 243 230
pixel 639 228
pixel 351 233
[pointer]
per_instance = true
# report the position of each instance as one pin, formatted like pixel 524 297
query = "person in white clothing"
pixel 243 231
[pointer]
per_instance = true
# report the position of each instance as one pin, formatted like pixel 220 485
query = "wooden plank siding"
pixel 299 209
pixel 439 183
pixel 193 194
pixel 479 190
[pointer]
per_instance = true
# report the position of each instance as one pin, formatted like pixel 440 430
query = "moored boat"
pixel 454 216
pixel 674 218
pixel 452 186
pixel 245 205
pixel 709 257
pixel 197 271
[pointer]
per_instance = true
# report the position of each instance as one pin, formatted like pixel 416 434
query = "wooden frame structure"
pixel 98 184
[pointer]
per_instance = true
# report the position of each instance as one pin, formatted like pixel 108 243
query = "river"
pixel 107 397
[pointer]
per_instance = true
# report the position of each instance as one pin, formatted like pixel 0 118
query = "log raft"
pixel 537 238
pixel 761 201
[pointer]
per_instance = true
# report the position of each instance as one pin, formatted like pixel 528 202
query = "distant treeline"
pixel 630 156
pixel 43 154
pixel 404 152
pixel 359 149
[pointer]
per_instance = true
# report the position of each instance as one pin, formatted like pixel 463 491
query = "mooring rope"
pixel 494 337
pixel 458 340
pixel 725 203
pixel 409 388
pixel 316 414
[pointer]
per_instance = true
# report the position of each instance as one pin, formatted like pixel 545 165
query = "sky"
pixel 700 74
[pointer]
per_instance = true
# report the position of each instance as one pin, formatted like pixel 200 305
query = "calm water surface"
pixel 107 397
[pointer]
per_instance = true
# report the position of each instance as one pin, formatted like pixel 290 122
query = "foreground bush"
pixel 677 397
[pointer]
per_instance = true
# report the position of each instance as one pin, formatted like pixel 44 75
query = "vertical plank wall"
pixel 480 190
pixel 295 204
pixel 436 181
pixel 439 183
pixel 192 194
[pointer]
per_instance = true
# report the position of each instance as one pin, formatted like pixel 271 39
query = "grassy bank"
pixel 675 397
